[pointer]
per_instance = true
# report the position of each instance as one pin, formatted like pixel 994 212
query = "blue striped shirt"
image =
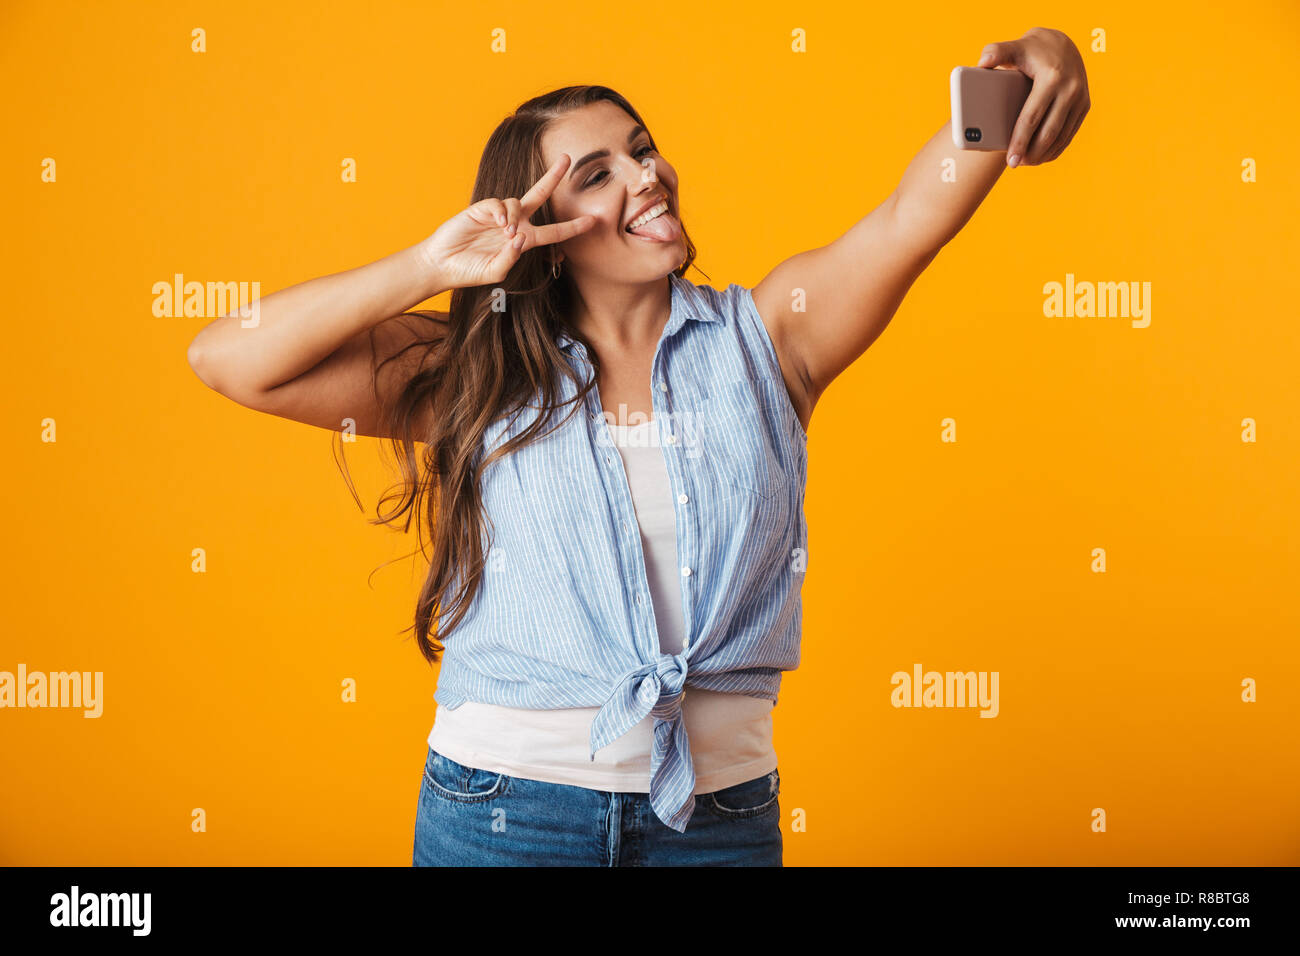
pixel 564 616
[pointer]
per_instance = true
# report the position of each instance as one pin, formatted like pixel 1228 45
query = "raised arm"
pixel 311 352
pixel 852 287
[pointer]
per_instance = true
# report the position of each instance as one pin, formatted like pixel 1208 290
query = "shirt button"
pixel 624 525
pixel 663 386
pixel 672 439
pixel 686 572
pixel 640 599
pixel 683 499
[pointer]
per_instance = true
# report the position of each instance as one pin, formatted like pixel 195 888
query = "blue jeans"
pixel 472 817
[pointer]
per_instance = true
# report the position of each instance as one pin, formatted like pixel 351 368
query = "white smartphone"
pixel 985 106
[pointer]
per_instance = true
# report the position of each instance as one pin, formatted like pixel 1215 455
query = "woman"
pixel 618 459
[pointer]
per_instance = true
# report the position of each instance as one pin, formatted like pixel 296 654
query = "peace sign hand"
pixel 479 245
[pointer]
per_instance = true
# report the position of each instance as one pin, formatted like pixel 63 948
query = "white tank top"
pixel 730 734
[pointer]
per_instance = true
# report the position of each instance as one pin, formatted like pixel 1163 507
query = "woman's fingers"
pixel 487 211
pixel 1007 53
pixel 514 215
pixel 1014 54
pixel 543 187
pixel 1050 115
pixel 1031 115
pixel 559 231
pixel 509 253
pixel 1067 135
pixel 1049 131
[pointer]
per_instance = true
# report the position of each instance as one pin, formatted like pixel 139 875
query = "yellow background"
pixel 222 690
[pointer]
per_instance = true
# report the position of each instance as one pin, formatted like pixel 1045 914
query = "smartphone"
pixel 985 106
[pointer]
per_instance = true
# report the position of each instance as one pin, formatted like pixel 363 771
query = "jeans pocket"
pixel 449 780
pixel 747 799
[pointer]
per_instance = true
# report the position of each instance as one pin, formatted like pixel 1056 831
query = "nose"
pixel 648 173
pixel 640 173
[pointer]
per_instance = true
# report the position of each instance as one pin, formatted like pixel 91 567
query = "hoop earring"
pixel 555 268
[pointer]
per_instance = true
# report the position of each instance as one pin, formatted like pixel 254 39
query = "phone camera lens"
pixel 972 134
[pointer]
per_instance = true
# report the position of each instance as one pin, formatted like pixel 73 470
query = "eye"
pixel 594 180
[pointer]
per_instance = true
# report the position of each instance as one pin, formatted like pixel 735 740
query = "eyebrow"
pixel 602 153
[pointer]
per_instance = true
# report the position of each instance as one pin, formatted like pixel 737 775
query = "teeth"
pixel 649 214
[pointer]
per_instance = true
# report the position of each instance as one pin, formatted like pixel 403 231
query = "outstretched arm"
pixel 852 287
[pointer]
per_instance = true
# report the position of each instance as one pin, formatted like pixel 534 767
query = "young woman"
pixel 614 468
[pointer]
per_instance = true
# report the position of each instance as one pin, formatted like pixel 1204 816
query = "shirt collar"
pixel 687 302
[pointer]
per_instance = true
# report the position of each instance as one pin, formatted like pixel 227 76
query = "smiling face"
pixel 614 175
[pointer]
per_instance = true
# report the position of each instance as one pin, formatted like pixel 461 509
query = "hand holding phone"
pixel 1031 107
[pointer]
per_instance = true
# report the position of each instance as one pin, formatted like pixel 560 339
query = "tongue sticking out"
pixel 664 228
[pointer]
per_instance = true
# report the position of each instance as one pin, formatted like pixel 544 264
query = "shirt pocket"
pixel 734 432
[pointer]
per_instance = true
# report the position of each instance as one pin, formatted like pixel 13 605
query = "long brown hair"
pixel 485 365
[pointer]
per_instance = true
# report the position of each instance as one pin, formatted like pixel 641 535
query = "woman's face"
pixel 614 186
